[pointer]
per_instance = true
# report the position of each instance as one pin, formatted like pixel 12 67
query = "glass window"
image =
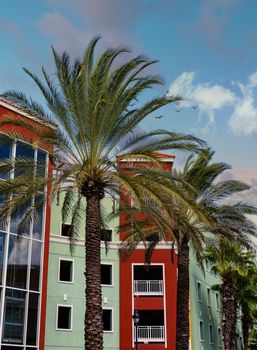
pixel 211 333
pixel 5 152
pixel 14 316
pixel 64 317
pixel 201 330
pixel 39 216
pixel 17 262
pixel 65 271
pixel 106 274
pixel 199 291
pixel 32 319
pixel 35 265
pixel 208 296
pixel 6 347
pixel 107 320
pixel 2 245
pixel 66 230
pixel 24 151
pixel 106 235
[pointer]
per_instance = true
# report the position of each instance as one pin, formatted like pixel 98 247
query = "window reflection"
pixel 5 152
pixel 32 319
pixel 17 262
pixel 2 242
pixel 24 151
pixel 38 219
pixel 18 217
pixel 41 163
pixel 14 316
pixel 35 265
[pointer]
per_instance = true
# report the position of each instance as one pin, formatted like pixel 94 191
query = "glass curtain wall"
pixel 21 259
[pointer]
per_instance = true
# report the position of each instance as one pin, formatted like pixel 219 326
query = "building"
pixel 23 264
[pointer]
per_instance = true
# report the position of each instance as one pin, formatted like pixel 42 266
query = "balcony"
pixel 150 334
pixel 144 287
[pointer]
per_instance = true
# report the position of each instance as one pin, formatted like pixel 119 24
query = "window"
pixel 211 333
pixel 219 336
pixel 107 320
pixel 208 296
pixel 66 230
pixel 207 265
pixel 106 274
pixel 217 301
pixel 5 153
pixel 65 271
pixel 201 330
pixel 199 291
pixel 64 317
pixel 106 235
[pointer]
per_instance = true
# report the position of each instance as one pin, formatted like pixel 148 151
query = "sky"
pixel 206 52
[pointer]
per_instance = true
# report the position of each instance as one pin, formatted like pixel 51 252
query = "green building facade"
pixel 66 286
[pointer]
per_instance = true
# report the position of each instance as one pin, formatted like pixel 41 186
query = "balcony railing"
pixel 142 287
pixel 148 334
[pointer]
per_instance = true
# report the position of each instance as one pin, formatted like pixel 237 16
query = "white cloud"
pixel 210 98
pixel 244 118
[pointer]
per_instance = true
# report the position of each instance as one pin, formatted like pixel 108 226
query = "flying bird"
pixel 177 110
pixel 194 107
pixel 159 117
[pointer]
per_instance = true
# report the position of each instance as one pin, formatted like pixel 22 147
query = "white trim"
pixel 133 306
pixel 72 271
pixel 201 322
pixel 143 160
pixel 164 303
pixel 112 319
pixel 17 110
pixel 112 245
pixel 112 274
pixel 71 317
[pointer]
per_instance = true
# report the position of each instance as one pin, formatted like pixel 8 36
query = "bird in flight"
pixel 177 110
pixel 159 116
pixel 195 107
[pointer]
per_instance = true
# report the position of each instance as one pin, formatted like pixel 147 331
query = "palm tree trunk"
pixel 182 332
pixel 93 315
pixel 229 312
pixel 245 319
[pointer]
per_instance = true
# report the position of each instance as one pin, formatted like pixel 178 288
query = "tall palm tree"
pixel 190 225
pixel 94 103
pixel 233 263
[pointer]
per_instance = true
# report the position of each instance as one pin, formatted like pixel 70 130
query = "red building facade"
pixel 149 290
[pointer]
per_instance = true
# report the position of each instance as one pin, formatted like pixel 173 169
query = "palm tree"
pixel 233 264
pixel 247 298
pixel 95 105
pixel 196 183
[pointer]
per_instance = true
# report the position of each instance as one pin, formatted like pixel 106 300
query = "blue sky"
pixel 207 52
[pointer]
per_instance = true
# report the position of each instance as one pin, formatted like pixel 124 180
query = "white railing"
pixel 142 287
pixel 150 334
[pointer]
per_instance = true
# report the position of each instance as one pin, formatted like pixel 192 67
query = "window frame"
pixel 72 270
pixel 112 231
pixel 219 337
pixel 211 325
pixel 112 320
pixel 71 318
pixel 201 322
pixel 217 301
pixel 112 276
pixel 198 283
pixel 60 233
